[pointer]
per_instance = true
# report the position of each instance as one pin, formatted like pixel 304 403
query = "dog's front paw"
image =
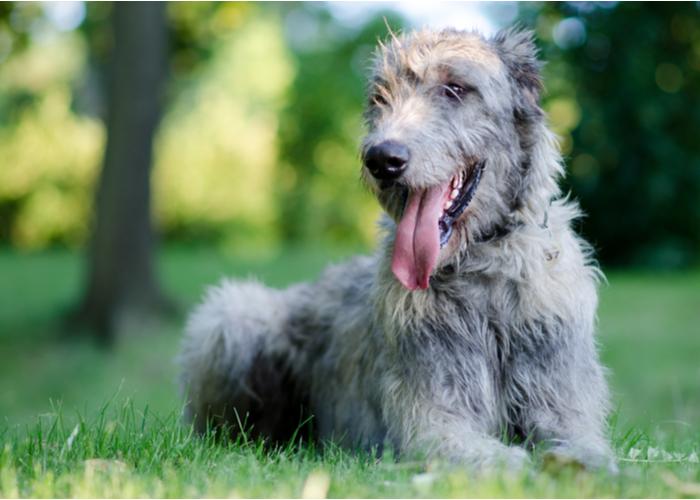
pixel 516 459
pixel 509 459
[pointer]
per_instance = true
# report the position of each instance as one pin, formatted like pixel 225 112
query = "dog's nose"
pixel 387 160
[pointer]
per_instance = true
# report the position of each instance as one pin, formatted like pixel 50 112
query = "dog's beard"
pixel 426 226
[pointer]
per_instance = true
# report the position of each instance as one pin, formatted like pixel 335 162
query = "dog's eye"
pixel 454 91
pixel 379 99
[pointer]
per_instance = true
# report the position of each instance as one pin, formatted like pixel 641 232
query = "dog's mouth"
pixel 427 223
pixel 463 188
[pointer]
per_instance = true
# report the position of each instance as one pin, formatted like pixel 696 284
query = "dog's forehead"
pixel 464 47
pixel 429 52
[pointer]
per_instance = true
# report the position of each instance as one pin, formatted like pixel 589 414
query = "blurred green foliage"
pixel 258 144
pixel 48 154
pixel 217 151
pixel 631 75
pixel 321 127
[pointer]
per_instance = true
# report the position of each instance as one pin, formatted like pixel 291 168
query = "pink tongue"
pixel 417 241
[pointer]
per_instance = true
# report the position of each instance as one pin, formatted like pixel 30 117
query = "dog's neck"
pixel 497 232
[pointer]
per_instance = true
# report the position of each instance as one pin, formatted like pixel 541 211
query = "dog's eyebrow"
pixel 458 71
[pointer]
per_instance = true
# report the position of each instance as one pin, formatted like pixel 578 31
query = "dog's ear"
pixel 519 53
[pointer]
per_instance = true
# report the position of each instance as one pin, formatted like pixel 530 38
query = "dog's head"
pixel 455 132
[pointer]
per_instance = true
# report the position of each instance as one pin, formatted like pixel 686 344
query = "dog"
pixel 469 334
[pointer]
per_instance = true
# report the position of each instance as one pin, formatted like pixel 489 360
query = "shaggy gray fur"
pixel 499 341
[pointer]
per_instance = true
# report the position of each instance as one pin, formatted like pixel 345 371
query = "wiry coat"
pixel 497 341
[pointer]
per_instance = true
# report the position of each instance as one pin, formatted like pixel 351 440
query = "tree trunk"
pixel 122 290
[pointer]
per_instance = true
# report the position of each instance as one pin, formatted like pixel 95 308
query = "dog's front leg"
pixel 426 421
pixel 558 398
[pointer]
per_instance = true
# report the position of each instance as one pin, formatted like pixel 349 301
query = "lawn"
pixel 122 410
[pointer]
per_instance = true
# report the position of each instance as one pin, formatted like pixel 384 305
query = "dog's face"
pixel 450 118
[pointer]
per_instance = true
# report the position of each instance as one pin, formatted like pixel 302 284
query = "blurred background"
pixel 148 150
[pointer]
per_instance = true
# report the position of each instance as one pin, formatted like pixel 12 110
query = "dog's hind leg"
pixel 235 363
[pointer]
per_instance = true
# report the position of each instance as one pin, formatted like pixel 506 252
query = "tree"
pixel 122 288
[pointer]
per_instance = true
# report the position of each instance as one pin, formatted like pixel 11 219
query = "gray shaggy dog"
pixel 474 320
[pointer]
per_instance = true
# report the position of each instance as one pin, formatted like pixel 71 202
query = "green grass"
pixel 38 364
pixel 121 451
pixel 51 386
pixel 650 332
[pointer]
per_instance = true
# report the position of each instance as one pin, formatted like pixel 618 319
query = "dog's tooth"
pixel 454 193
pixel 448 204
pixel 455 181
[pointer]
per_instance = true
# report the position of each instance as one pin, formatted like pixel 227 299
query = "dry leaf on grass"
pixel 672 481
pixel 317 485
